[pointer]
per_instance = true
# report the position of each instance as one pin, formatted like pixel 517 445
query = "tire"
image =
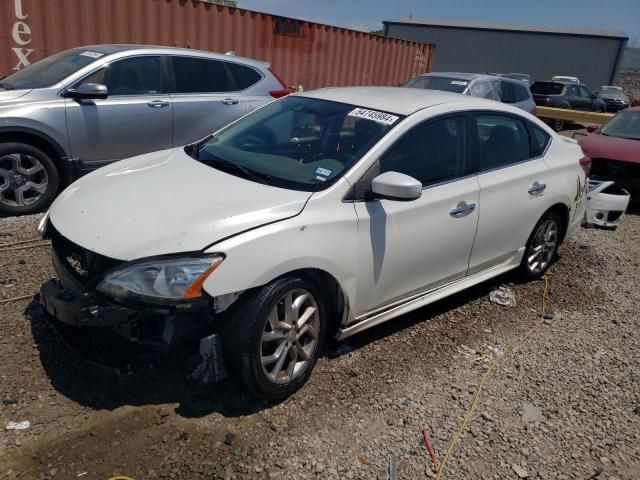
pixel 29 179
pixel 600 110
pixel 558 125
pixel 246 349
pixel 549 252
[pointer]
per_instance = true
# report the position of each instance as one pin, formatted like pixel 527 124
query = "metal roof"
pixel 398 100
pixel 590 32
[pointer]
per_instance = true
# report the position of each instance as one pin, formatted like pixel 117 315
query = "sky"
pixel 368 15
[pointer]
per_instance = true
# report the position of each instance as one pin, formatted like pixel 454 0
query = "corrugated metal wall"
pixel 300 52
pixel 592 59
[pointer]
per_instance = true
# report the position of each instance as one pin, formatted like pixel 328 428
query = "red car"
pixel 614 150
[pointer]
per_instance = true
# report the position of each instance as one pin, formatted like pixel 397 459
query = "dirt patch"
pixel 581 372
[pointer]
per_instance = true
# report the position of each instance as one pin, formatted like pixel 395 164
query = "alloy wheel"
pixel 543 247
pixel 23 179
pixel 290 336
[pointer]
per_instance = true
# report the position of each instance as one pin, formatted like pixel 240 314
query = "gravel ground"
pixel 565 405
pixel 630 83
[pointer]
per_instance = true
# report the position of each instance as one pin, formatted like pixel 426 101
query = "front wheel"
pixel 28 179
pixel 542 247
pixel 275 337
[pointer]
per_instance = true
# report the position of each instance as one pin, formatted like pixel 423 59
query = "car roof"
pixel 110 49
pixel 458 75
pixel 397 100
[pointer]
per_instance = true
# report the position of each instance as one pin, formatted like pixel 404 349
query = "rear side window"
pixel 520 93
pixel 431 152
pixel 540 139
pixel 506 92
pixel 503 140
pixel 201 75
pixel 243 75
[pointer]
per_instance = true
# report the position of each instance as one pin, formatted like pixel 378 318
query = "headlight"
pixel 162 280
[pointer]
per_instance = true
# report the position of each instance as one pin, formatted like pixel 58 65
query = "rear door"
pixel 513 178
pixel 136 117
pixel 205 98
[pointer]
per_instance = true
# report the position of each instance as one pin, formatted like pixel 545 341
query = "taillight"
pixel 585 163
pixel 280 93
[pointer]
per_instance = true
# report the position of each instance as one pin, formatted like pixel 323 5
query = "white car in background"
pixel 565 79
pixel 321 214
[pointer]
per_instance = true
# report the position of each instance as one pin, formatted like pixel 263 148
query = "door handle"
pixel 537 188
pixel 230 101
pixel 158 103
pixel 462 209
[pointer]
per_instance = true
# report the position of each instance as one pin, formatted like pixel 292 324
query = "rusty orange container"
pixel 300 52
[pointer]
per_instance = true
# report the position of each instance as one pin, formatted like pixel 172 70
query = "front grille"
pixel 86 266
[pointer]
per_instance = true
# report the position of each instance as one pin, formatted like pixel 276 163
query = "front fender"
pixel 316 239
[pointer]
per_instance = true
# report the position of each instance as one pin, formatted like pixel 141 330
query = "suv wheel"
pixel 28 179
pixel 542 247
pixel 275 337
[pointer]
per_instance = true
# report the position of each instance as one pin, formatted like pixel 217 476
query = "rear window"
pixel 540 140
pixel 546 88
pixel 506 92
pixel 243 75
pixel 446 84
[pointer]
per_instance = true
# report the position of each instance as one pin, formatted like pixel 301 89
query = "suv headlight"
pixel 162 281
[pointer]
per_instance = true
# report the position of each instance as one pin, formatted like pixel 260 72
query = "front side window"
pixel 432 152
pixel 297 143
pixel 131 76
pixel 503 140
pixel 584 92
pixel 201 75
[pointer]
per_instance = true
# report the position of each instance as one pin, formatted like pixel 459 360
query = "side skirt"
pixel 428 297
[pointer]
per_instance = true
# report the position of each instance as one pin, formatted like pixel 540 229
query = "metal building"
pixel 592 55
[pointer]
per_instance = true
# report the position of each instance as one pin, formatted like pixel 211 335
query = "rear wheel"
pixel 542 247
pixel 274 339
pixel 28 179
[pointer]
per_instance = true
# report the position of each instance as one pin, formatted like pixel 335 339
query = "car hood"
pixel 8 95
pixel 596 145
pixel 165 202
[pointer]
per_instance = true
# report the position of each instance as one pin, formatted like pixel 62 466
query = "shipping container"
pixel 300 52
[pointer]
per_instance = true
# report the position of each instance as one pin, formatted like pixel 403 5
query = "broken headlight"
pixel 161 280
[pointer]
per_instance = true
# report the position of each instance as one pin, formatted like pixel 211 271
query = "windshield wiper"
pixel 246 172
pixel 6 86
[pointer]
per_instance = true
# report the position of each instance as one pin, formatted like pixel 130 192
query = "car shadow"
pixel 98 388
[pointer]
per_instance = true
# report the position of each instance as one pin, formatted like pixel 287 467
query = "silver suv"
pixel 83 108
pixel 494 87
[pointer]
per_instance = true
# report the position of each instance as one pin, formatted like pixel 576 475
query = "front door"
pixel 136 117
pixel 513 178
pixel 409 247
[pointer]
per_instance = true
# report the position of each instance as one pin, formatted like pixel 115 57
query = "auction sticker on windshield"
pixel 374 115
pixel 91 54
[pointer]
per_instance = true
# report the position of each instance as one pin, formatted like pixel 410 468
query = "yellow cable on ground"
pixel 25 247
pixel 37 239
pixel 15 299
pixel 492 367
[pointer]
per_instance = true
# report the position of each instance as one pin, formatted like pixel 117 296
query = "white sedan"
pixel 321 214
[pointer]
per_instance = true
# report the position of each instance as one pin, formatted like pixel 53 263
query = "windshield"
pixel 298 143
pixel 446 84
pixel 50 70
pixel 624 125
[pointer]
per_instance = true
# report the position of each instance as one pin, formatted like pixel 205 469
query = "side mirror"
pixel 396 186
pixel 592 128
pixel 89 91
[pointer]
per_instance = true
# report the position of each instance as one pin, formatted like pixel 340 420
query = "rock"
pixel 273 473
pixel 520 471
pixel 486 417
pixel 531 413
pixel 229 438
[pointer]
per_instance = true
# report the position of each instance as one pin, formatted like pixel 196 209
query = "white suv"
pixel 321 214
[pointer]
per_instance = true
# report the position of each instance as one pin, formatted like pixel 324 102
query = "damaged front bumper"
pixel 125 337
pixel 606 203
